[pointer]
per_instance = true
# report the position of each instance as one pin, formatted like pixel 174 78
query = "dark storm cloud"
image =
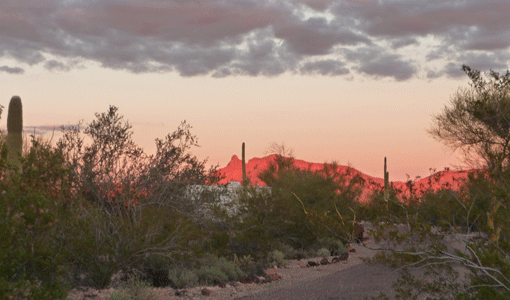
pixel 257 37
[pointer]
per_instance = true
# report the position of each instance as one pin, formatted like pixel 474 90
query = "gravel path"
pixel 352 283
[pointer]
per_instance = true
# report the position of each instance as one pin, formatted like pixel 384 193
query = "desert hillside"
pixel 446 178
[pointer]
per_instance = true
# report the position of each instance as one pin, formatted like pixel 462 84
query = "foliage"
pixel 134 289
pixel 332 245
pixel 215 270
pixel 78 213
pixel 449 233
pixel 277 258
pixel 323 252
pixel 130 205
pixel 249 266
pixel 478 120
pixel 183 278
pixel 31 252
pixel 301 208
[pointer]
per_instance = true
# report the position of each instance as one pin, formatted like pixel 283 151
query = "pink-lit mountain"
pixel 448 179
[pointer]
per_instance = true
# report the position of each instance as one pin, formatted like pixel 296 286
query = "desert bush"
pixel 477 123
pixel 219 265
pixel 317 203
pixel 288 251
pixel 32 256
pixel 249 266
pixel 130 205
pixel 183 278
pixel 210 270
pixel 90 210
pixel 134 289
pixel 30 259
pixel 277 258
pixel 334 246
pixel 301 207
pixel 323 252
pixel 210 275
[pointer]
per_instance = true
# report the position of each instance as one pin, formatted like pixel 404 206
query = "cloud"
pixel 324 67
pixel 480 61
pixel 15 70
pixel 376 62
pixel 256 37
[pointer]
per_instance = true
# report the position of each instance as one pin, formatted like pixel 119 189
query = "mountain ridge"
pixel 443 179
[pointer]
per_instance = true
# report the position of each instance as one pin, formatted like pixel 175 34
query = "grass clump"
pixel 134 289
pixel 334 246
pixel 277 258
pixel 323 252
pixel 248 265
pixel 210 275
pixel 183 278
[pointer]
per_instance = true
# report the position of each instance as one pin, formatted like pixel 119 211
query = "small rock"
pixel 344 256
pixel 180 293
pixel 222 285
pixel 324 261
pixel 272 276
pixel 335 259
pixel 206 292
pixel 311 263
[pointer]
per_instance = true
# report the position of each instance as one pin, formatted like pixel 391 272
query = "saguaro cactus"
pixel 245 178
pixel 14 133
pixel 386 182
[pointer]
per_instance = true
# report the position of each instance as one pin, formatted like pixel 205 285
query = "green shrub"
pixel 334 246
pixel 210 275
pixel 134 289
pixel 277 258
pixel 323 252
pixel 30 260
pixel 221 264
pixel 183 278
pixel 288 251
pixel 249 266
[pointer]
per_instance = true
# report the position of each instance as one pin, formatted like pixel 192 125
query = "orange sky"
pixel 355 122
pixel 346 80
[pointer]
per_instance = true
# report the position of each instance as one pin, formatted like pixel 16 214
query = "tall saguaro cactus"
pixel 245 178
pixel 386 182
pixel 14 133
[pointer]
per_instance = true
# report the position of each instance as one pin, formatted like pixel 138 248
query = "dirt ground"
pixel 352 279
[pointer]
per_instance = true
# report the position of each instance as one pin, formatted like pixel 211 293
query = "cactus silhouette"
pixel 386 182
pixel 245 178
pixel 14 133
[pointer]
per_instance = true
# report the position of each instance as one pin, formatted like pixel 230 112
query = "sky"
pixel 351 81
